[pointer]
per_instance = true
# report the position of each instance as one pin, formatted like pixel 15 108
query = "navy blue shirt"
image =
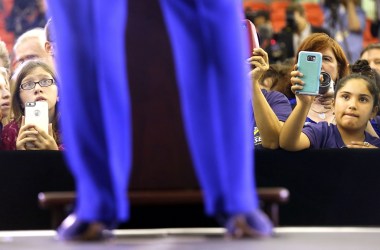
pixel 323 135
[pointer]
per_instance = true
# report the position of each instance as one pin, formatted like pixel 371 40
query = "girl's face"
pixel 38 93
pixel 5 97
pixel 330 64
pixel 354 105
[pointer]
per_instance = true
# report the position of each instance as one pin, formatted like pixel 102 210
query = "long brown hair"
pixel 4 73
pixel 17 107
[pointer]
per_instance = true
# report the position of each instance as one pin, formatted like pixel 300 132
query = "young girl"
pixel 36 81
pixel 355 103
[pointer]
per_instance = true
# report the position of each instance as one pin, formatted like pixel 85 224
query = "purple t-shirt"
pixel 280 106
pixel 323 135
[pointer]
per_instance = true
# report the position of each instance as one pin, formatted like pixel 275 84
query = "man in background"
pixel 296 30
pixel 372 54
pixel 30 45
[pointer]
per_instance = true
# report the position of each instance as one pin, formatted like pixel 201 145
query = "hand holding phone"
pixel 309 64
pixel 35 132
pixel 259 62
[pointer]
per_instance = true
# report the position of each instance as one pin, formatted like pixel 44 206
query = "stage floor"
pixel 285 238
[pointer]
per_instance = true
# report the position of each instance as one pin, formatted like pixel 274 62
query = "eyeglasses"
pixel 31 85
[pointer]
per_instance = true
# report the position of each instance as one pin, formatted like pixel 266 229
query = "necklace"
pixel 321 114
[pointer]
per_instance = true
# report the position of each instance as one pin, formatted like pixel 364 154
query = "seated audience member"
pixel 50 39
pixel 274 75
pixel 374 125
pixel 30 45
pixel 5 92
pixel 5 99
pixel 4 57
pixel 356 101
pixel 25 15
pixel 277 78
pixel 263 24
pixel 372 54
pixel 35 81
pixel 334 62
pixel 297 29
pixel 346 21
pixel 369 7
pixel 270 108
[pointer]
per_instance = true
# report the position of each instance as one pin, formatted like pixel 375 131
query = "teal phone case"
pixel 309 64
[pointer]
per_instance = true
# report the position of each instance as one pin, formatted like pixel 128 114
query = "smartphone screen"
pixel 37 113
pixel 310 64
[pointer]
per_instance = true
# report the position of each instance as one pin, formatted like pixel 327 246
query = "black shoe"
pixel 73 229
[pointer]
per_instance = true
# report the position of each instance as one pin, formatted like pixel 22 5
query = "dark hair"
pixel 280 74
pixel 362 67
pixel 361 70
pixel 251 15
pixel 263 13
pixel 296 7
pixel 369 47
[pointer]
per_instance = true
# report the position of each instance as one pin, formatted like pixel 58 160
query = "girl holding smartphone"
pixel 356 101
pixel 35 81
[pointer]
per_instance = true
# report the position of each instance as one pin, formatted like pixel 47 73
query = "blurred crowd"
pixel 342 36
pixel 343 31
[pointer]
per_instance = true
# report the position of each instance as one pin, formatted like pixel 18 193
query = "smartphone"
pixel 310 64
pixel 37 113
pixel 253 39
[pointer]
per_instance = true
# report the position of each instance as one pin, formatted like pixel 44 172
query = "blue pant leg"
pixel 208 45
pixel 113 85
pixel 89 149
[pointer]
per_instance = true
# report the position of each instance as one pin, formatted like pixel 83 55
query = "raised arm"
pixel 352 16
pixel 291 136
pixel 266 120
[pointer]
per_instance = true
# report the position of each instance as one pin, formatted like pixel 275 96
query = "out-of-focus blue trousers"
pixel 208 46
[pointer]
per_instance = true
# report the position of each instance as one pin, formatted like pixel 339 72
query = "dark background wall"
pixel 327 187
pixel 23 174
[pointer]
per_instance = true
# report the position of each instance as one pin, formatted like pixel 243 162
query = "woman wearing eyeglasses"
pixel 35 81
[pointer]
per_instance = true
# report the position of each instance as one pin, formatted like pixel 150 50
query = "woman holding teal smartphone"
pixel 334 62
pixel 309 64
